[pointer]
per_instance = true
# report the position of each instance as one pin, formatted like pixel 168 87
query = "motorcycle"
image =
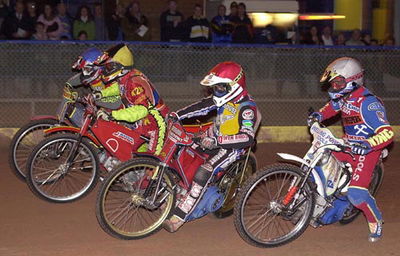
pixel 65 167
pixel 29 135
pixel 139 195
pixel 277 204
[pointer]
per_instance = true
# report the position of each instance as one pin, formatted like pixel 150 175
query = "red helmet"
pixel 227 80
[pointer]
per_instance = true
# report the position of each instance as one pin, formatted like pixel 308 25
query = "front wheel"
pixel 352 213
pixel 230 184
pixel 54 178
pixel 124 211
pixel 262 218
pixel 24 140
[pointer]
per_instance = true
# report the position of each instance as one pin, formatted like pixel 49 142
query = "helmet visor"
pixel 221 89
pixel 337 84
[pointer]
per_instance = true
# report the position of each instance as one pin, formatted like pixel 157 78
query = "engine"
pixel 107 161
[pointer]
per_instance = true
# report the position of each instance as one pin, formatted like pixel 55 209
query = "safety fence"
pixel 282 79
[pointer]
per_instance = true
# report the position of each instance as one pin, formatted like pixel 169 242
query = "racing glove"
pixel 104 115
pixel 314 117
pixel 362 148
pixel 208 142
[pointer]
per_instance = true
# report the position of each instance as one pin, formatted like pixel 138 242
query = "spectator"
pixel 312 36
pixel 31 9
pixel 243 32
pixel 198 27
pixel 113 23
pixel 84 22
pixel 374 42
pixel 233 10
pixel 355 39
pixel 389 41
pixel 66 21
pixel 366 39
pixel 221 26
pixel 171 23
pixel 52 23
pixel 99 23
pixel 40 32
pixel 16 26
pixel 326 37
pixel 341 39
pixel 135 25
pixel 82 35
pixel 4 11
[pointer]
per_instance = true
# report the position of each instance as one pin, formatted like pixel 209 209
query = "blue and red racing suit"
pixel 364 120
pixel 233 130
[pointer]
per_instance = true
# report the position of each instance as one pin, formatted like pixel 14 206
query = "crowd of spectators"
pixel 26 20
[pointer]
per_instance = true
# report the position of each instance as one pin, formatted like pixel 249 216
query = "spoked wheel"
pixel 26 138
pixel 235 177
pixel 123 209
pixel 261 217
pixel 352 213
pixel 52 178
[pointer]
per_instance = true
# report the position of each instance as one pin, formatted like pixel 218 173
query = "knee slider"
pixel 203 174
pixel 358 196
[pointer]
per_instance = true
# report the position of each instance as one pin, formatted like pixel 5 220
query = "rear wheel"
pixel 122 209
pixel 352 213
pixel 262 218
pixel 52 178
pixel 231 182
pixel 26 138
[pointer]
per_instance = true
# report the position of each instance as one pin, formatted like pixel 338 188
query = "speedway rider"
pixel 366 129
pixel 143 104
pixel 233 130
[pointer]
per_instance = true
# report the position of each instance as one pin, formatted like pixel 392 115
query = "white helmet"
pixel 228 82
pixel 344 75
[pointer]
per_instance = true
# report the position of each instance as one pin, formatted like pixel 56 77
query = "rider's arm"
pixel 331 109
pixel 249 119
pixel 200 108
pixel 112 90
pixel 130 114
pixel 374 115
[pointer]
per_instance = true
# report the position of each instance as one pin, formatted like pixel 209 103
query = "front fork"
pixel 296 187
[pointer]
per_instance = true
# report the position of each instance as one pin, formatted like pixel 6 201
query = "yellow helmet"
pixel 117 62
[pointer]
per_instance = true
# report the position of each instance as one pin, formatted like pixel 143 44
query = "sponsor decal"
pixel 247 123
pixel 231 108
pixel 228 139
pixel 248 114
pixel 352 120
pixel 124 137
pixel 375 106
pixel 354 137
pixel 137 90
pixel 359 168
pixel 112 144
pixel 381 137
pixel 360 129
pixel 347 107
pixel 381 117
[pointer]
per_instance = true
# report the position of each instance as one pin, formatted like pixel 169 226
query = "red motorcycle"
pixel 65 167
pixel 140 194
pixel 29 135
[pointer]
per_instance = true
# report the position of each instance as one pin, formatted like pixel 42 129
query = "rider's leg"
pixel 359 195
pixel 221 159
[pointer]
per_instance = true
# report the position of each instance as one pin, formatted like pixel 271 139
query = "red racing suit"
pixel 142 106
pixel 364 120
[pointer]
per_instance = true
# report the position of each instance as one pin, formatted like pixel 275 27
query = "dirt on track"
pixel 30 226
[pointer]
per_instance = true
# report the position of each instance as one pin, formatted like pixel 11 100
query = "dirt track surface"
pixel 30 226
